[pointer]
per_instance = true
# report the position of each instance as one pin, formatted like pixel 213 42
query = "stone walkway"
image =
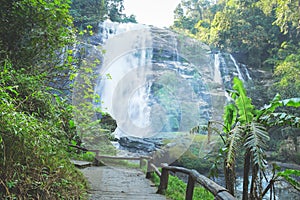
pixel 120 184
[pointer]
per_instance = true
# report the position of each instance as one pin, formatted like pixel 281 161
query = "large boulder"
pixel 137 145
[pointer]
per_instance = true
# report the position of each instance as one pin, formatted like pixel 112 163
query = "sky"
pixel 152 12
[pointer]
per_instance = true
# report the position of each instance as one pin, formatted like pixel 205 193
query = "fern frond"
pixel 256 141
pixel 280 119
pixel 233 140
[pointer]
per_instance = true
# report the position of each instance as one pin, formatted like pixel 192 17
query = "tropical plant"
pixel 244 131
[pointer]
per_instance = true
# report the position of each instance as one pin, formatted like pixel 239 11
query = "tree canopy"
pixel 91 12
pixel 263 33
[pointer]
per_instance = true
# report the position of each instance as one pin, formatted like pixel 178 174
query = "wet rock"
pixel 135 144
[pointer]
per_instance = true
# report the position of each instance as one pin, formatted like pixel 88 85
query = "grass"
pixel 177 188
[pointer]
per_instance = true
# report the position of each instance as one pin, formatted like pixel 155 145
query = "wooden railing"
pixel 218 191
pixel 141 159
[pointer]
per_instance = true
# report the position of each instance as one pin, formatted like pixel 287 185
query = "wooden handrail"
pixel 218 191
pixel 156 170
pixel 124 158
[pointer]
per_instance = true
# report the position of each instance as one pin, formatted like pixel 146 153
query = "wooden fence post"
pixel 164 179
pixel 141 162
pixel 190 188
pixel 149 169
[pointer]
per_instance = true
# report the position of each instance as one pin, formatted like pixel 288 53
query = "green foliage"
pixel 244 132
pixel 177 188
pixel 288 175
pixel 287 13
pixel 88 13
pixel 255 142
pixel 35 33
pixel 86 156
pixel 93 134
pixel 247 132
pixel 242 102
pixel 291 177
pixel 91 12
pixel 233 143
pixel 229 117
pixel 34 136
pixel 262 33
pixel 271 116
pixel 288 73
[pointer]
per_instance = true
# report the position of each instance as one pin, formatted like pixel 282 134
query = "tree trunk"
pixel 246 174
pixel 229 173
pixel 253 188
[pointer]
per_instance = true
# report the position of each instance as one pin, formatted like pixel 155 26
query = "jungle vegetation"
pixel 263 34
pixel 37 69
pixel 37 66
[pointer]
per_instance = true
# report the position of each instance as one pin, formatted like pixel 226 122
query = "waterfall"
pixel 157 84
pixel 128 62
pixel 217 72
pixel 109 29
pixel 237 68
pixel 160 82
pixel 247 72
pixel 242 71
pixel 139 111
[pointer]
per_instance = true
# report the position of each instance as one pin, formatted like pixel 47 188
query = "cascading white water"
pixel 242 70
pixel 217 73
pixel 111 29
pixel 247 72
pixel 237 68
pixel 158 83
pixel 139 111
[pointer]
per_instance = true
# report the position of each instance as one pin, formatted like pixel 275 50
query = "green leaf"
pixel 290 176
pixel 230 117
pixel 256 140
pixel 71 123
pixel 243 103
pixel 293 102
pixel 232 145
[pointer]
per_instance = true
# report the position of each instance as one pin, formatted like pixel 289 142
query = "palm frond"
pixel 233 140
pixel 256 141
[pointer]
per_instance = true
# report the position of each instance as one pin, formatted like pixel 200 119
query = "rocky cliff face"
pixel 155 82
pixel 161 81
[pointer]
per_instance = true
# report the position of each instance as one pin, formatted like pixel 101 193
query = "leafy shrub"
pixel 33 137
